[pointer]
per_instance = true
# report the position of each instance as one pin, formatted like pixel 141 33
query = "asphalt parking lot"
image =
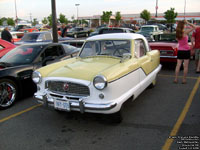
pixel 165 117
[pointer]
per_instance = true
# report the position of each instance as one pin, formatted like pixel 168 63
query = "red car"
pixel 167 45
pixel 5 47
pixel 29 30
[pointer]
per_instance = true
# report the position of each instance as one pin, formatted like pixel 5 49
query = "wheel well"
pixel 19 86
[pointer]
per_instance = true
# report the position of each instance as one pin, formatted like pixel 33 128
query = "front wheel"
pixel 8 93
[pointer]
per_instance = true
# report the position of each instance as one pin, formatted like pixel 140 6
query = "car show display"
pixel 109 69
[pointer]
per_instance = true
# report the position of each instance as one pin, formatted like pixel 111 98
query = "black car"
pixel 106 30
pixel 17 65
pixel 78 32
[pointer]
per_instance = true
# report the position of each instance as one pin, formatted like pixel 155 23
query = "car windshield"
pixel 167 38
pixel 30 37
pixel 73 29
pixel 24 54
pixel 149 29
pixel 114 48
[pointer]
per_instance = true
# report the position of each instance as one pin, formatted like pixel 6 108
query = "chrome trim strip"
pixel 168 56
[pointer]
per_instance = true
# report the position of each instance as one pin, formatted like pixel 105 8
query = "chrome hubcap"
pixel 7 94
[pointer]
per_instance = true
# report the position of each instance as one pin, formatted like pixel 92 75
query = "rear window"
pixel 111 31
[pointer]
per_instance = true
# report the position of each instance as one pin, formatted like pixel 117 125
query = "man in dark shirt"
pixel 5 35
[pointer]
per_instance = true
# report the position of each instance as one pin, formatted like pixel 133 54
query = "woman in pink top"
pixel 183 49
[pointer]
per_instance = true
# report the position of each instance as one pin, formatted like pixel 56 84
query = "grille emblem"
pixel 66 87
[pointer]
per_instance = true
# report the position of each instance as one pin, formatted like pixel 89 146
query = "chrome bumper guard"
pixel 80 104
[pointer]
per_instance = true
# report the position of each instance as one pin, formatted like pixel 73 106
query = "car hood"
pixel 80 68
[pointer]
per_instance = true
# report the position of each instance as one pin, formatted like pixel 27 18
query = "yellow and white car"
pixel 109 69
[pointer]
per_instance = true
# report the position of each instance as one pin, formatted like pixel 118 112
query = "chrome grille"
pixel 67 88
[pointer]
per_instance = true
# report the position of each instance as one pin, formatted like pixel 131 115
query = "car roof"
pixel 116 36
pixel 150 26
pixel 112 28
pixel 43 43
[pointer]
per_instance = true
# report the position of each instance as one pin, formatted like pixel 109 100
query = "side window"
pixel 60 50
pixel 140 49
pixel 50 51
pixel 48 36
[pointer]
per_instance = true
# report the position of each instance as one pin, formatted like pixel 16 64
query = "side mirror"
pixel 125 56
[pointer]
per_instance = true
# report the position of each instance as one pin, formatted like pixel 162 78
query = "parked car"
pixel 106 30
pixel 168 47
pixel 78 32
pixel 39 37
pixel 151 32
pixel 29 30
pixel 17 65
pixel 109 69
pixel 16 35
pixel 18 27
pixel 5 47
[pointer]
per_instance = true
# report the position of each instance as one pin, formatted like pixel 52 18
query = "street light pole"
pixel 156 8
pixel 16 12
pixel 184 9
pixel 77 10
pixel 54 22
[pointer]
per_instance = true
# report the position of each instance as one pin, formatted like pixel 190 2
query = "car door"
pixel 141 53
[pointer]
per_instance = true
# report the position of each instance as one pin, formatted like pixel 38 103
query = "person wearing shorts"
pixel 183 49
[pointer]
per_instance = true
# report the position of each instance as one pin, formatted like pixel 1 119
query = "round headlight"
pixel 36 77
pixel 100 82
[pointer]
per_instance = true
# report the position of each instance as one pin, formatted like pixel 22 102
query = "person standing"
pixel 63 30
pixel 5 35
pixel 196 46
pixel 183 49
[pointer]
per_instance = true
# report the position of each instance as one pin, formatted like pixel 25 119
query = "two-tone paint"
pixel 124 78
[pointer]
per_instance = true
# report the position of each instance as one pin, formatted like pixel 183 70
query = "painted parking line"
pixel 19 113
pixel 181 118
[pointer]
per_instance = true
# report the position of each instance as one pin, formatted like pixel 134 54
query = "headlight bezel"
pixel 97 84
pixel 36 74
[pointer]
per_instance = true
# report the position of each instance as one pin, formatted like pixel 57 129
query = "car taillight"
pixel 175 51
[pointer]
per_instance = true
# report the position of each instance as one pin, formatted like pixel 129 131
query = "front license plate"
pixel 63 105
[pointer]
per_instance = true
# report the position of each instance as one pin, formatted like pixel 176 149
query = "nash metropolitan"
pixel 109 69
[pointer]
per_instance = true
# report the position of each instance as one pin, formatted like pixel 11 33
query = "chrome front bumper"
pixel 79 104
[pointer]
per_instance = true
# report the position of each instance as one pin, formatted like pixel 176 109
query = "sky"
pixel 42 8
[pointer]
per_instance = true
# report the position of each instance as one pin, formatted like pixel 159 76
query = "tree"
pixel 118 17
pixel 10 21
pixel 170 16
pixel 146 15
pixel 62 19
pixel 35 22
pixel 2 20
pixel 50 20
pixel 45 21
pixel 106 16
